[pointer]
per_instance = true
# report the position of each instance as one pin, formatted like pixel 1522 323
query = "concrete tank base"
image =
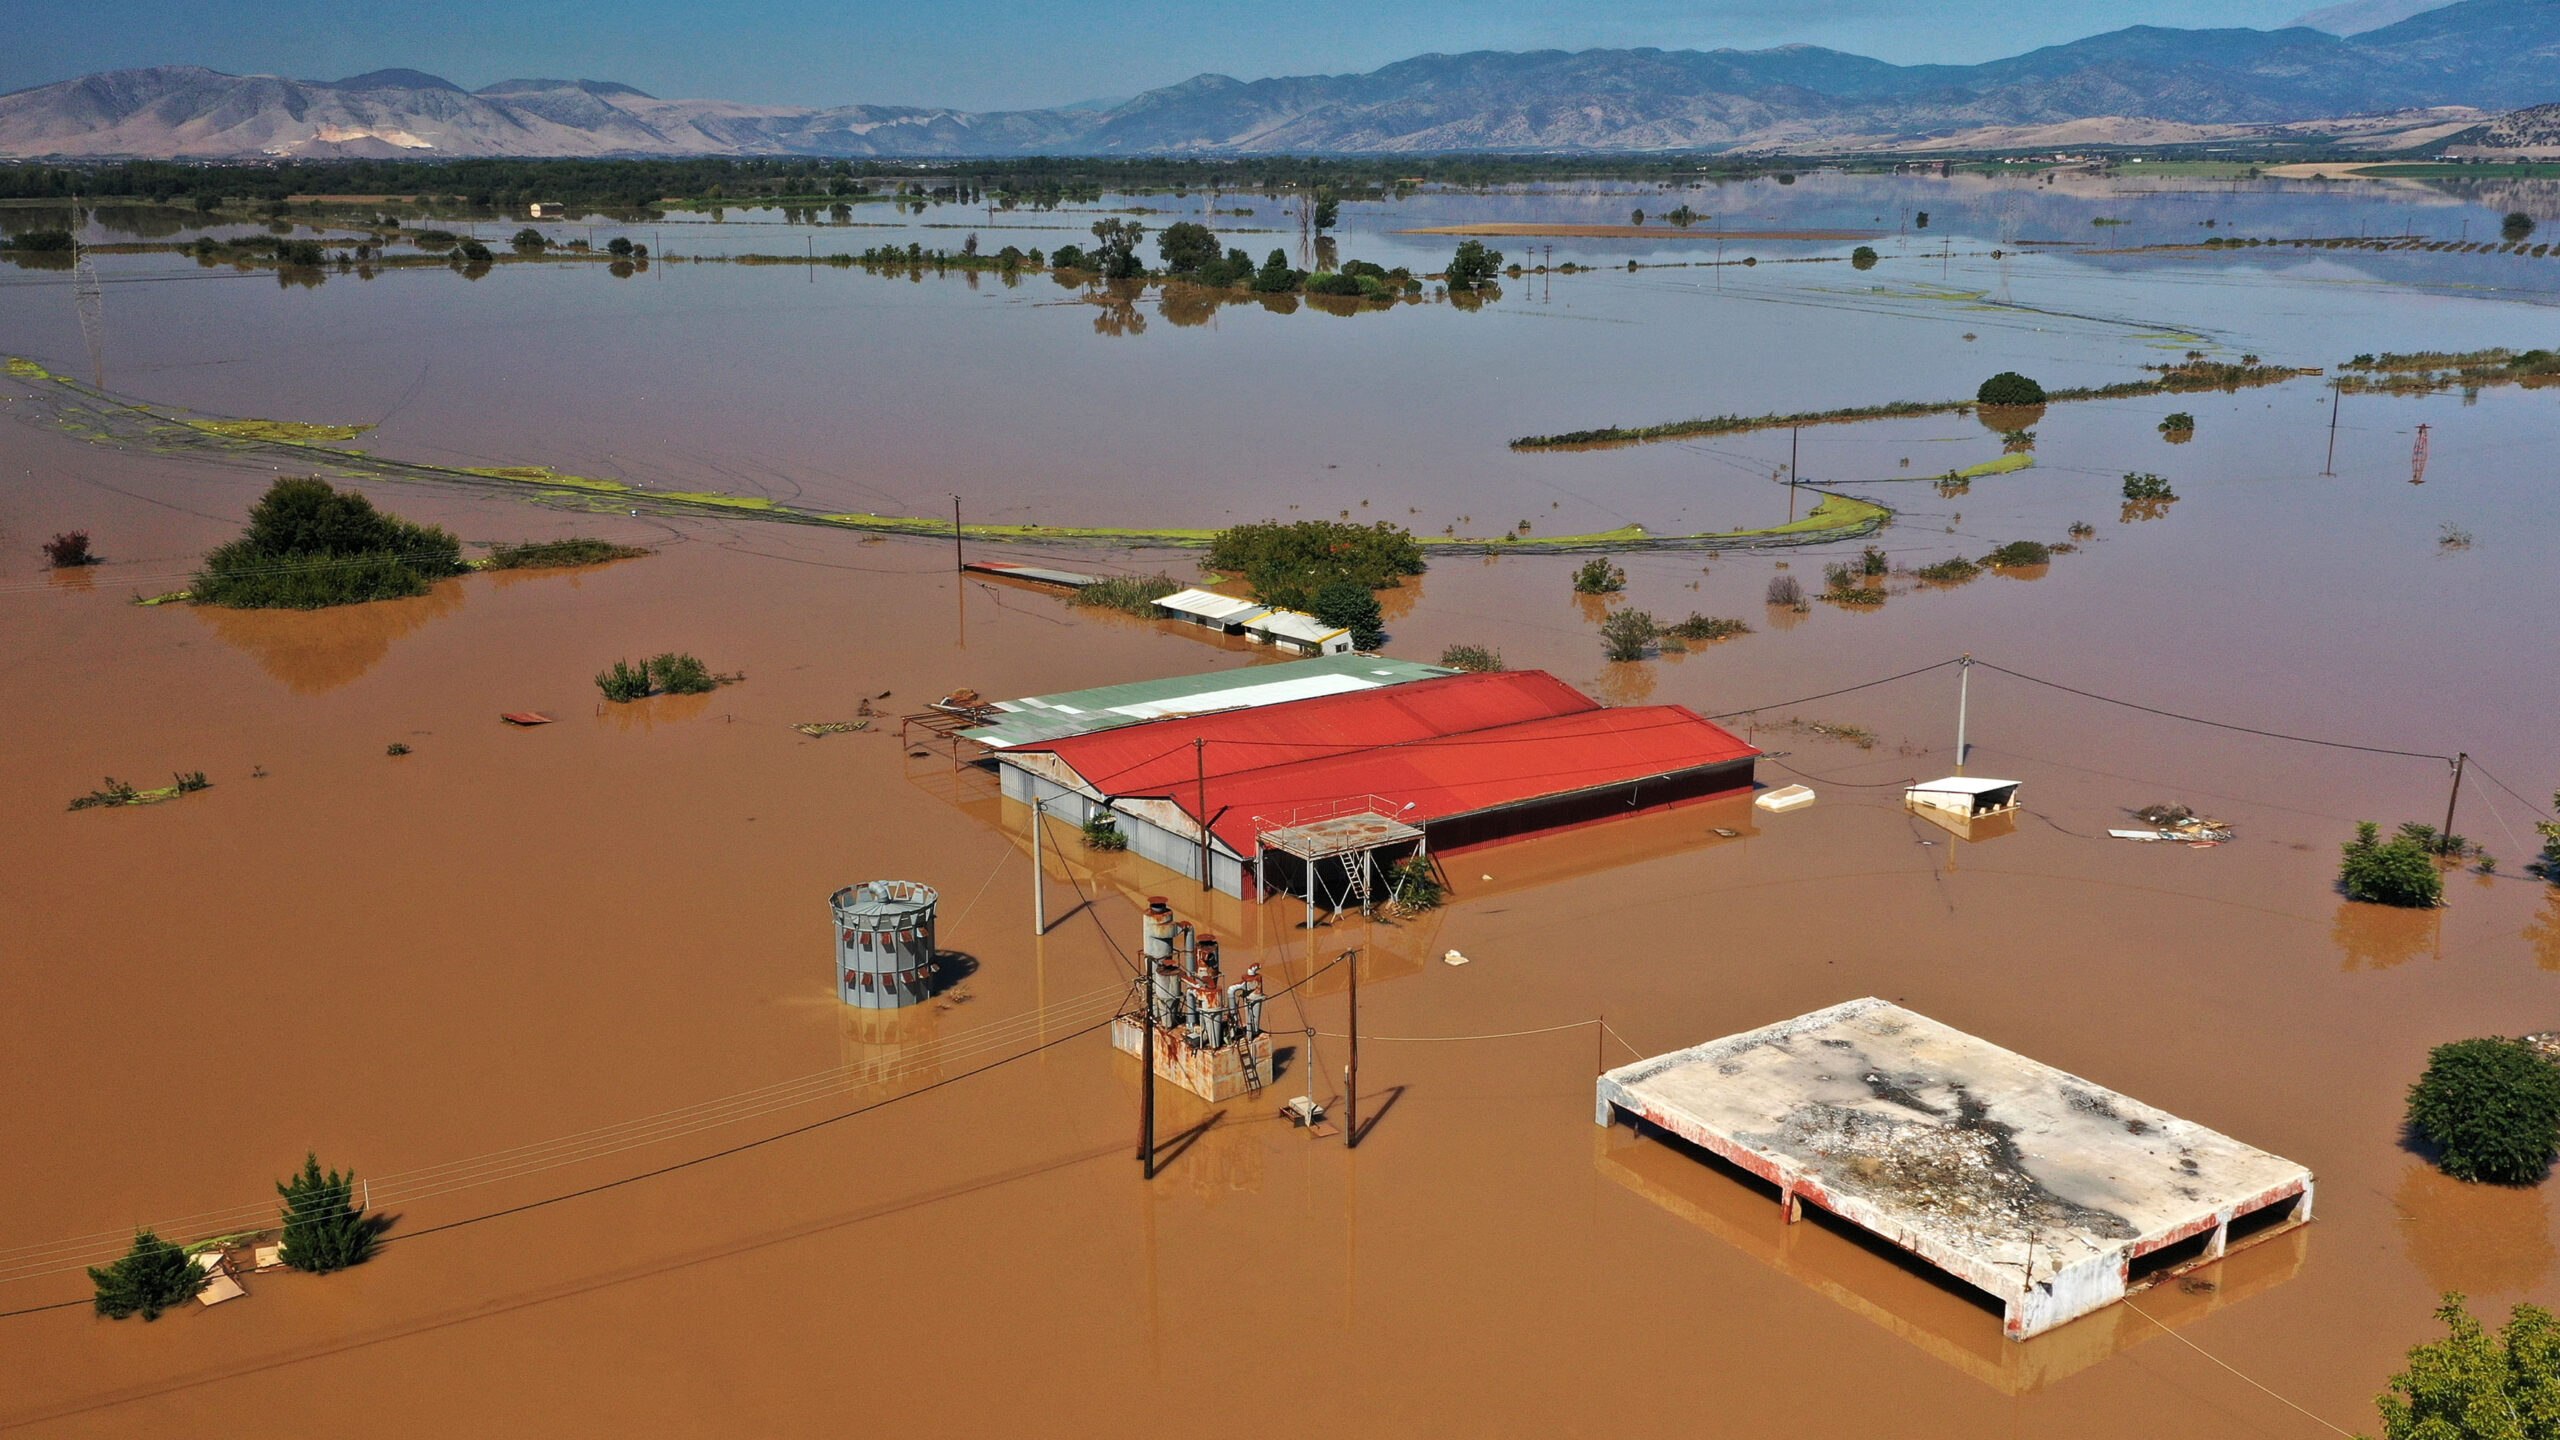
pixel 2054 1196
pixel 1213 1075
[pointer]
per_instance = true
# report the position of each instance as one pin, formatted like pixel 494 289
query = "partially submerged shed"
pixel 1263 794
pixel 1211 610
pixel 2052 1195
pixel 1082 712
pixel 1963 797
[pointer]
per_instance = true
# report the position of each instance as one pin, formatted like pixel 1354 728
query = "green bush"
pixel 625 682
pixel 2491 1108
pixel 309 545
pixel 2147 486
pixel 1597 576
pixel 1416 884
pixel 2020 553
pixel 2009 388
pixel 1872 561
pixel 153 1276
pixel 1104 833
pixel 552 554
pixel 2472 1385
pixel 1626 634
pixel 2178 422
pixel 41 242
pixel 1287 562
pixel 1474 658
pixel 1705 627
pixel 1128 594
pixel 1864 257
pixel 1954 571
pixel 2399 871
pixel 681 674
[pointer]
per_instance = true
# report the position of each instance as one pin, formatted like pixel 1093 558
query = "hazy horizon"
pixel 802 53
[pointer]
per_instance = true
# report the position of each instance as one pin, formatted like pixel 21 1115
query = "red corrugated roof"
pixel 1157 758
pixel 1448 747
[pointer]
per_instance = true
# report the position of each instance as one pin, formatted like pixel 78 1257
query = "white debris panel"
pixel 2051 1194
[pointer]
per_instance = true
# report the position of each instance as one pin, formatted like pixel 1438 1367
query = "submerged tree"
pixel 1115 250
pixel 151 1277
pixel 2491 1107
pixel 1186 245
pixel 1473 267
pixel 324 1228
pixel 2517 227
pixel 2398 871
pixel 1354 607
pixel 2473 1385
pixel 1626 634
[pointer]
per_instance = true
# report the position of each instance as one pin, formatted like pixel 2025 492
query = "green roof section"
pixel 1039 718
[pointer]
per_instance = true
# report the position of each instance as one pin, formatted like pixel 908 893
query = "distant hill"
pixel 2532 133
pixel 2137 83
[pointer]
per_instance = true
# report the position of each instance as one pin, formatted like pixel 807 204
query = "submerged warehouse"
pixel 1318 795
pixel 2051 1195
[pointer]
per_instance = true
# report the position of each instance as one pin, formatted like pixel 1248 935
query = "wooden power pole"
pixel 1351 1076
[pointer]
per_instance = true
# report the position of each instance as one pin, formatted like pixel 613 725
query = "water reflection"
pixel 2543 933
pixel 2479 1239
pixel 1942 1318
pixel 657 710
pixel 316 651
pixel 1626 682
pixel 2379 937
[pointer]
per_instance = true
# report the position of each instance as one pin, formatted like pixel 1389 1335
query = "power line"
pixel 1827 694
pixel 2216 724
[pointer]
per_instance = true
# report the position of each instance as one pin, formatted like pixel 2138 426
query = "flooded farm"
pixel 562 993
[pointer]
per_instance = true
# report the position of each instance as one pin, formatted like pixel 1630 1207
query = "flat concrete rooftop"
pixel 2051 1194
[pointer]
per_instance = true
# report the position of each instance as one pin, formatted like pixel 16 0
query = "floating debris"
pixel 820 729
pixel 524 717
pixel 1453 958
pixel 2176 823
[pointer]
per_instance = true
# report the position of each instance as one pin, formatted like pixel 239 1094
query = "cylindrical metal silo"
pixel 884 943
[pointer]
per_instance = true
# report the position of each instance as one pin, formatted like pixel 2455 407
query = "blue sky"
pixel 999 55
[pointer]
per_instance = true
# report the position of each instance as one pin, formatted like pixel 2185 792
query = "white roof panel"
pixel 1297 626
pixel 1210 605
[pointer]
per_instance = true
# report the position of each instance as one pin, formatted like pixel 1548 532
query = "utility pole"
pixel 1964 694
pixel 1039 879
pixel 2336 386
pixel 1147 1064
pixel 2459 761
pixel 1200 779
pixel 1794 432
pixel 1351 1076
pixel 959 565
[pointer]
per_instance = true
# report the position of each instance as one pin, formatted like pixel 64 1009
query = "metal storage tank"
pixel 884 943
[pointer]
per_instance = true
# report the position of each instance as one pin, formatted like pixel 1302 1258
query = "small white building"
pixel 1964 798
pixel 1211 610
pixel 1305 634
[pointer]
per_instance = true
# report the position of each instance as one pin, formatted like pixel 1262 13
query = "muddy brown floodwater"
pixel 572 936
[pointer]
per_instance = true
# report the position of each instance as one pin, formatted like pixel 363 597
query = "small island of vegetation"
pixel 310 545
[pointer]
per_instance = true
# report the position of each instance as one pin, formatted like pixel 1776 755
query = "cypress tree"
pixel 151 1277
pixel 324 1228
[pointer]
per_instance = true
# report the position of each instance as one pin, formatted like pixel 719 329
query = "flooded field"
pixel 564 937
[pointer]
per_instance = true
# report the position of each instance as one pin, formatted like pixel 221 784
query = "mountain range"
pixel 2143 82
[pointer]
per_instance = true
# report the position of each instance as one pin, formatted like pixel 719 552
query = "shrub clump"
pixel 1104 833
pixel 309 546
pixel 2144 485
pixel 1626 634
pixel 1415 884
pixel 2491 1107
pixel 1705 627
pixel 673 673
pixel 324 1228
pixel 1287 562
pixel 1954 570
pixel 1597 576
pixel 1473 658
pixel 2178 422
pixel 2009 388
pixel 1786 592
pixel 554 554
pixel 2399 871
pixel 2018 554
pixel 1128 594
pixel 69 550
